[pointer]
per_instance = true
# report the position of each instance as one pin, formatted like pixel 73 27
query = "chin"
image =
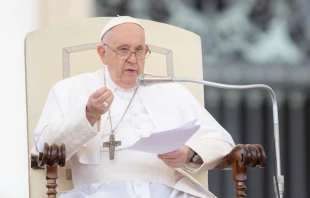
pixel 129 82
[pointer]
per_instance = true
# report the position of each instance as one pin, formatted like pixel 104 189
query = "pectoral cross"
pixel 112 144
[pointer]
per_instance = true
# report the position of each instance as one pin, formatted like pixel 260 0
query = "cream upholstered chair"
pixel 58 52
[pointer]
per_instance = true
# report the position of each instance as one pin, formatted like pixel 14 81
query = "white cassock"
pixel 131 173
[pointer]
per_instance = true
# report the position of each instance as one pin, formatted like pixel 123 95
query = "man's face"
pixel 125 36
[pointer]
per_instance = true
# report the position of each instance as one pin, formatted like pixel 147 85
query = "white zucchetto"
pixel 117 21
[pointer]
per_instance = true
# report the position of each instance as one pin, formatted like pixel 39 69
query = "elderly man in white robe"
pixel 87 111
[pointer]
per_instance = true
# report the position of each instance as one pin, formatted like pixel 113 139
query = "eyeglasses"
pixel 124 53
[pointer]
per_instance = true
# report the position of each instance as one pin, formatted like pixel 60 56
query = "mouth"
pixel 131 71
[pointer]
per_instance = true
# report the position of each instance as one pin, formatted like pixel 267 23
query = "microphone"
pixel 148 79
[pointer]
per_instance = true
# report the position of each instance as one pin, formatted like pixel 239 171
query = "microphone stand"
pixel 278 180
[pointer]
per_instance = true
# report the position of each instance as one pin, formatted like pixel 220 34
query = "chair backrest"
pixel 57 52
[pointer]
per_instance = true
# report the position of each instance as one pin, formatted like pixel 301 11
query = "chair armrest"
pixel 51 157
pixel 33 163
pixel 241 157
pixel 245 155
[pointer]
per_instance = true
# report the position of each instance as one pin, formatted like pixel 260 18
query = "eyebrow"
pixel 126 45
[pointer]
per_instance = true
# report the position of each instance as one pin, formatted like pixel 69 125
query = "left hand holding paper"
pixel 177 159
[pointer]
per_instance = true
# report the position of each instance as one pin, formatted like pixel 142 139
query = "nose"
pixel 132 58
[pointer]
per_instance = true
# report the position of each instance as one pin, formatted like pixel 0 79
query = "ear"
pixel 146 49
pixel 102 54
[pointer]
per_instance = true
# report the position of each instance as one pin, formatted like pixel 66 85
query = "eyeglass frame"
pixel 131 52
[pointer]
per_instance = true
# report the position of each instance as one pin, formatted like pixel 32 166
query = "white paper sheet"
pixel 166 141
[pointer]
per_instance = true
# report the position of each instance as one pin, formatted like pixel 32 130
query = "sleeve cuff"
pixel 210 150
pixel 191 167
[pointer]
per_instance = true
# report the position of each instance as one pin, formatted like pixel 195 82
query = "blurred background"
pixel 243 42
pixel 246 42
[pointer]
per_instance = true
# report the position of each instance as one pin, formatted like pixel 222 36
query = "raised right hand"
pixel 95 105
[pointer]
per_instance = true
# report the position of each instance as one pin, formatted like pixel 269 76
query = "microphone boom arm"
pixel 146 79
